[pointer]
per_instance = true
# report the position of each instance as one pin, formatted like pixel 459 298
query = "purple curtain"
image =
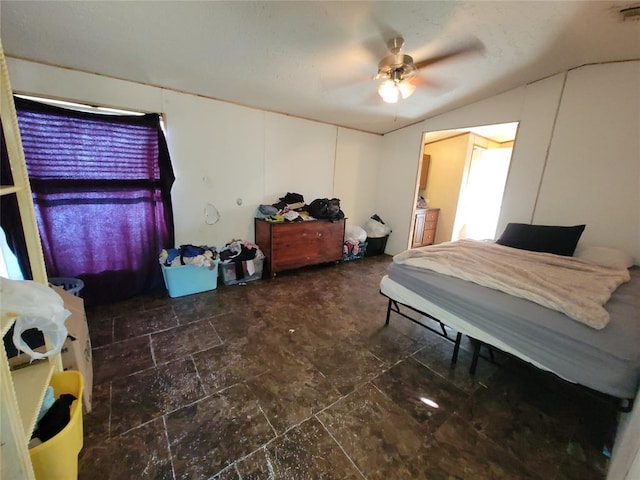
pixel 101 188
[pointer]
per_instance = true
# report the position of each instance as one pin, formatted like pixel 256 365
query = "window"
pixel 101 189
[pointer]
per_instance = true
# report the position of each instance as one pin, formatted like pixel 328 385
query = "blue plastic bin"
pixel 184 280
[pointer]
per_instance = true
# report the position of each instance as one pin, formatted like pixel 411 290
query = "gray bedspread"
pixel 606 360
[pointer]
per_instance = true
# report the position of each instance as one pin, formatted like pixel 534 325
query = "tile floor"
pixel 298 378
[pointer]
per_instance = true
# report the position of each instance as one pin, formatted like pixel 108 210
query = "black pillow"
pixel 542 238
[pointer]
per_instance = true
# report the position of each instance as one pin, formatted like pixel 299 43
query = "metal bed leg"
pixel 476 353
pixel 394 305
pixel 456 348
pixel 444 332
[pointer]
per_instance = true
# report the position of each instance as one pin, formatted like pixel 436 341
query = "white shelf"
pixel 30 384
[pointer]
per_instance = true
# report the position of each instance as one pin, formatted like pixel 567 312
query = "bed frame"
pixel 620 404
pixel 394 306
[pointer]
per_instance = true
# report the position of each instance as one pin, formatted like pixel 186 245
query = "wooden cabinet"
pixel 430 224
pixel 424 227
pixel 292 245
pixel 418 228
pixel 424 171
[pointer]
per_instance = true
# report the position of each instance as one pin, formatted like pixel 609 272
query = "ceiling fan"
pixel 400 73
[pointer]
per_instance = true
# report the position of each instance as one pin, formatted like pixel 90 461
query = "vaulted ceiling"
pixel 316 60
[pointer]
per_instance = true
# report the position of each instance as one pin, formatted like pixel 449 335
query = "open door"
pixel 481 195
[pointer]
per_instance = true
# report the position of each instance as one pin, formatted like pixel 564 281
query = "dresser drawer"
pixel 428 237
pixel 300 232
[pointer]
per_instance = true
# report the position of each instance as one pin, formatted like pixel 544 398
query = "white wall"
pixel 224 154
pixel 398 183
pixel 299 158
pixel 576 157
pixel 593 169
pixel 536 115
pixel 214 163
pixel 355 181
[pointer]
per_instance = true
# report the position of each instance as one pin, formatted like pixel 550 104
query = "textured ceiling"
pixel 316 60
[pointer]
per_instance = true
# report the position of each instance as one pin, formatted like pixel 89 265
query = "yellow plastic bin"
pixel 57 458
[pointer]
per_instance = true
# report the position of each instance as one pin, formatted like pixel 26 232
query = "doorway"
pixel 467 174
pixel 481 195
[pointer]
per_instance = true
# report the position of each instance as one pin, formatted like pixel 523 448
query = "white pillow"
pixel 604 256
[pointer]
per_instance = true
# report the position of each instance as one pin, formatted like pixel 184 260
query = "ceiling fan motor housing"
pixel 396 67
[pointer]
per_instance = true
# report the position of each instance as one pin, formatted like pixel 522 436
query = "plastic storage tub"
pixel 376 245
pixel 57 458
pixel 188 279
pixel 228 271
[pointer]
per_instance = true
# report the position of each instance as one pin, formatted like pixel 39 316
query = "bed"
pixel 604 359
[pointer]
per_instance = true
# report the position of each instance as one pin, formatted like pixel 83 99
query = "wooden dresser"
pixel 292 245
pixel 424 227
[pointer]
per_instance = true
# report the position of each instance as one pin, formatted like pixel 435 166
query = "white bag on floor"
pixel 354 233
pixel 36 306
pixel 376 229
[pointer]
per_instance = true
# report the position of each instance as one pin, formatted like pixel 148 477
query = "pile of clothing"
pixel 239 251
pixel 238 264
pixel 351 249
pixel 292 208
pixel 199 256
pixel 293 202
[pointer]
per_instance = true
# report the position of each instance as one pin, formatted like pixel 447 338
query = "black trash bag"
pixel 56 418
pixel 325 209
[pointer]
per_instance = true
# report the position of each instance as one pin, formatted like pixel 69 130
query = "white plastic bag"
pixel 354 233
pixel 376 229
pixel 36 306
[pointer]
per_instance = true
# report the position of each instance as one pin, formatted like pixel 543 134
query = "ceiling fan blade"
pixel 419 81
pixel 475 46
pixel 341 83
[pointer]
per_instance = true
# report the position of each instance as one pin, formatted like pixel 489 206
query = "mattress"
pixel 606 360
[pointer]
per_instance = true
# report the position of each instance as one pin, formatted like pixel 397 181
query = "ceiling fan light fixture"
pixel 389 91
pixel 406 89
pixel 397 70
